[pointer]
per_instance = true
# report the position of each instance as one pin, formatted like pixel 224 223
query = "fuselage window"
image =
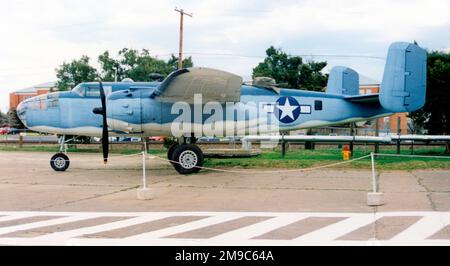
pixel 92 92
pixel 318 105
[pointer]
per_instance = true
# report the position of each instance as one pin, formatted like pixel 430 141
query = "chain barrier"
pixel 265 172
pixel 412 156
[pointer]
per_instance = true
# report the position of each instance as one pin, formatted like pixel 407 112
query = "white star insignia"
pixel 287 110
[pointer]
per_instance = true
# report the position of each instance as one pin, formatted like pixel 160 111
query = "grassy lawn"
pixel 294 159
pixel 306 158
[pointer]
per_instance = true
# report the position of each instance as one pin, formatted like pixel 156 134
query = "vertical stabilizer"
pixel 404 83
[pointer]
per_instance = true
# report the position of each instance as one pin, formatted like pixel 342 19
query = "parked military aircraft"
pixel 196 102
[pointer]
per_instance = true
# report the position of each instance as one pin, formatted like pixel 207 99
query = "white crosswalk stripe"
pixel 222 228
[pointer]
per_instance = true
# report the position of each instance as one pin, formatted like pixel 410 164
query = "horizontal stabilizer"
pixel 371 98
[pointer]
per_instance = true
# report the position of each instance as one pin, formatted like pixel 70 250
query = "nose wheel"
pixel 60 162
pixel 187 159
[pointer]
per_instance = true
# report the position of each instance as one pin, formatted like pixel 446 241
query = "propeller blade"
pixel 105 134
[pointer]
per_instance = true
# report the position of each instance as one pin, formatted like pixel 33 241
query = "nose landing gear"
pixel 60 162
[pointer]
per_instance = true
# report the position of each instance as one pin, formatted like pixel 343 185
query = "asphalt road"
pixel 283 203
pixel 28 183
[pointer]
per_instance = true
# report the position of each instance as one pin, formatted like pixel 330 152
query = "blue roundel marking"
pixel 287 110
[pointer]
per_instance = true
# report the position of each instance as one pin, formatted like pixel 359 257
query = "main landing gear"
pixel 187 158
pixel 60 162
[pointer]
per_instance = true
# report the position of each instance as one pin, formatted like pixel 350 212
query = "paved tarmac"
pixel 287 207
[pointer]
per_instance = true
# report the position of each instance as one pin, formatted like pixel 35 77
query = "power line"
pixel 300 55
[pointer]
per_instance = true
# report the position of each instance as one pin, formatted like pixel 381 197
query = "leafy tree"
pixel 435 116
pixel 110 67
pixel 291 72
pixel 3 119
pixel 130 63
pixel 137 65
pixel 75 72
pixel 173 63
pixel 13 119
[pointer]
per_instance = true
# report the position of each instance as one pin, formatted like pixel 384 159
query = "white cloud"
pixel 383 19
pixel 38 35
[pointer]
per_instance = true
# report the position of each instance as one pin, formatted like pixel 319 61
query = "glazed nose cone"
pixel 22 111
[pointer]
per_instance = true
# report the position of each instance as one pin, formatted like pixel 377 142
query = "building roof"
pixel 366 81
pixel 46 85
pixel 35 88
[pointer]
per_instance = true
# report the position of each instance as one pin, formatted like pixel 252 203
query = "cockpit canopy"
pixel 91 90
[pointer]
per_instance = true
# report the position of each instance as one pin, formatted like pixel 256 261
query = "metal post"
pixel 145 193
pixel 374 198
pixel 283 149
pixel 144 163
pixel 374 177
pixel 399 132
pixel 377 134
pixel 21 140
pixel 144 177
pixel 285 144
pixel 352 133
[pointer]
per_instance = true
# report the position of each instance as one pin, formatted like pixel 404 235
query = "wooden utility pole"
pixel 180 55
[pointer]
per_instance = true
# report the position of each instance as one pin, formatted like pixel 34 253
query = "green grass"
pixel 294 159
pixel 307 158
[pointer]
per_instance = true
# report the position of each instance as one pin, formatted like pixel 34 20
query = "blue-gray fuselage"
pixel 133 109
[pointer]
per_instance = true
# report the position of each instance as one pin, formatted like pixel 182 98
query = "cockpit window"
pixel 92 91
pixel 79 90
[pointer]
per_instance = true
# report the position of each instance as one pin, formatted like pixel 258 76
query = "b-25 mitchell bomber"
pixel 196 102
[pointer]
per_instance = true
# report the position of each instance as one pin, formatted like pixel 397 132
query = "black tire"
pixel 189 159
pixel 171 151
pixel 60 162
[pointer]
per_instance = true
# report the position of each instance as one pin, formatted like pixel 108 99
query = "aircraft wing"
pixel 213 85
pixel 370 98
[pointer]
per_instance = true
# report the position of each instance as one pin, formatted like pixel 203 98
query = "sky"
pixel 39 35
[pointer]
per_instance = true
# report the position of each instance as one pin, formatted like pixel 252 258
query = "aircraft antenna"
pixel 180 55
